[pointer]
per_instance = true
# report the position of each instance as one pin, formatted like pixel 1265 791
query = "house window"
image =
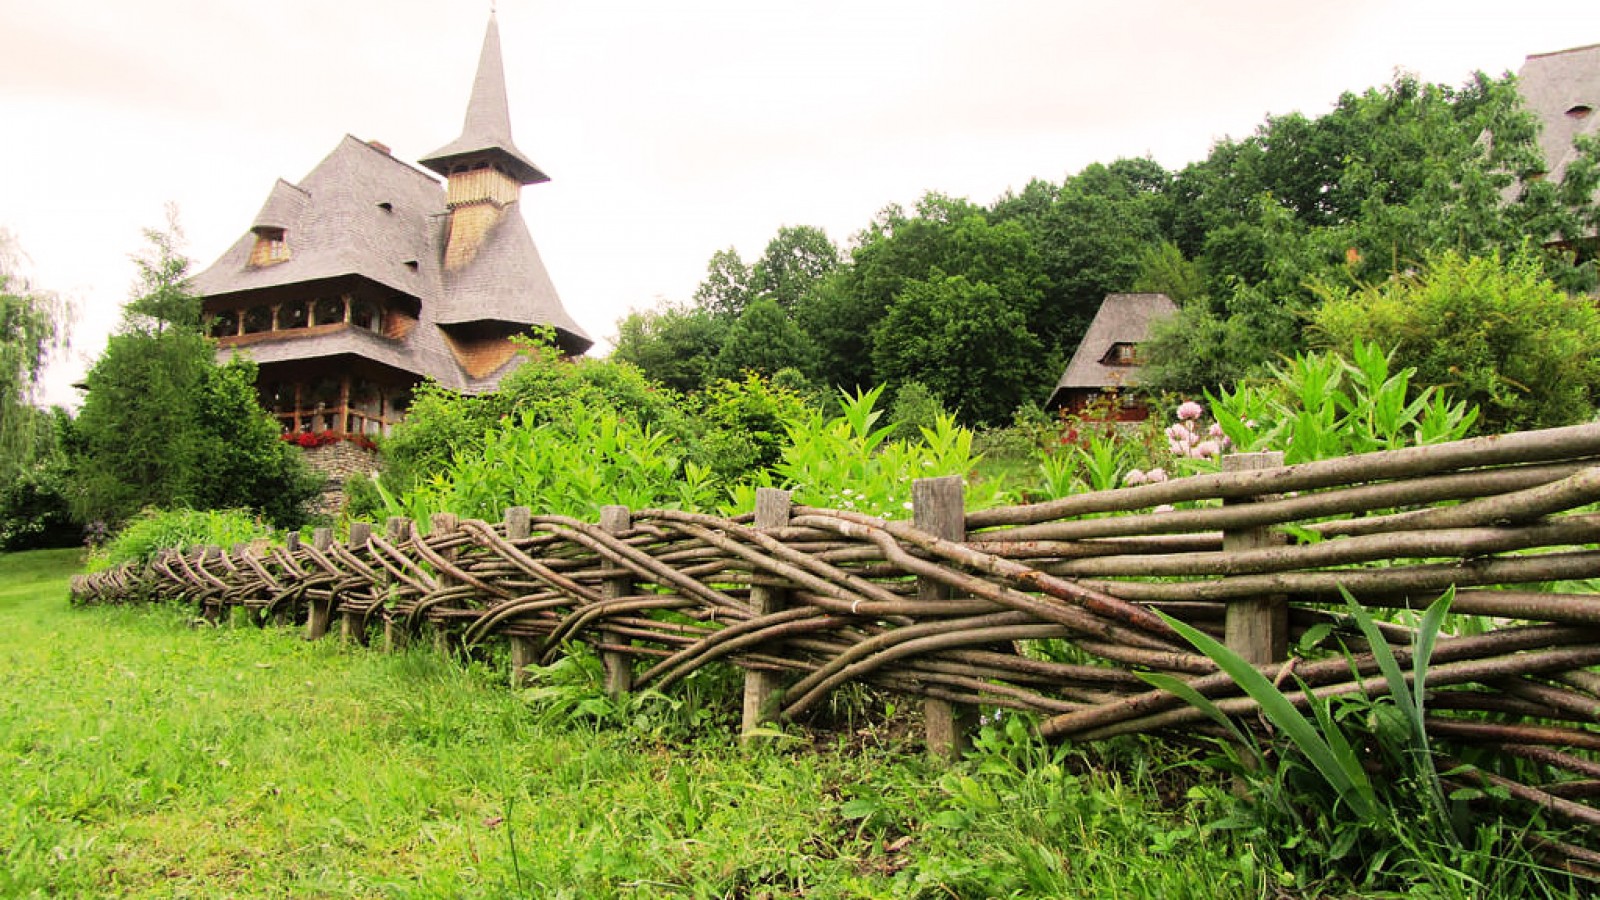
pixel 1122 353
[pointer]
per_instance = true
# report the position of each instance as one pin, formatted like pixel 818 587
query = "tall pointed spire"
pixel 486 133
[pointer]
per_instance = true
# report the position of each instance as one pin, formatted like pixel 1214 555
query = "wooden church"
pixel 369 276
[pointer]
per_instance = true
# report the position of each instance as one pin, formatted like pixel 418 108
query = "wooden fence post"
pixel 211 610
pixel 617 584
pixel 519 524
pixel 321 608
pixel 285 616
pixel 444 525
pixel 1256 628
pixel 258 619
pixel 397 530
pixel 772 511
pixel 937 507
pixel 353 623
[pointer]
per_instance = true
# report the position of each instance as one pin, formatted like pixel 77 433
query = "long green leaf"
pixel 1347 782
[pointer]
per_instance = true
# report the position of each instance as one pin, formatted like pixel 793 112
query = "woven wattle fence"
pixel 1047 608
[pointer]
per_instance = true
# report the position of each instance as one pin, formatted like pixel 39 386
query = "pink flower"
pixel 1215 430
pixel 1179 433
pixel 1155 476
pixel 1164 508
pixel 1133 477
pixel 1179 448
pixel 1190 410
pixel 1205 449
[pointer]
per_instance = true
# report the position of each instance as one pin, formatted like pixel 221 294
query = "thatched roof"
pixel 1563 90
pixel 1122 319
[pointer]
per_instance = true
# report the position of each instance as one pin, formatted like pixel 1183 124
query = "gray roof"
pixel 487 128
pixel 1558 87
pixel 1122 319
pixel 363 213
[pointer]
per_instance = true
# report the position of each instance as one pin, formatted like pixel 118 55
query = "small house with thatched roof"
pixel 1107 361
pixel 369 276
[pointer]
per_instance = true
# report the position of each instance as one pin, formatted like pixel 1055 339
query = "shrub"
pixel 742 426
pixel 155 530
pixel 1496 333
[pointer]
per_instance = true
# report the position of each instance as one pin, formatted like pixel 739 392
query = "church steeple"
pixel 486 133
pixel 484 171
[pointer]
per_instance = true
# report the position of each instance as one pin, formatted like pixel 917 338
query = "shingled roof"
pixel 1122 319
pixel 363 214
pixel 487 127
pixel 1563 90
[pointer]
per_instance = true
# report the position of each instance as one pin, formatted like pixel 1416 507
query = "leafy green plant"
pixel 1399 829
pixel 155 530
pixel 574 466
pixel 850 462
pixel 1319 406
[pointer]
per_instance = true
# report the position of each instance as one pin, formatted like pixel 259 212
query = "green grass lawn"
pixel 141 756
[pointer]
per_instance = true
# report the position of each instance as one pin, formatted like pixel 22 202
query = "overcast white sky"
pixel 671 129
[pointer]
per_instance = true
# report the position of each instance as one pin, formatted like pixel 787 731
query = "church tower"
pixel 483 168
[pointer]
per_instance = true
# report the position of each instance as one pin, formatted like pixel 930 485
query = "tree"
pixel 1388 178
pixel 726 288
pixel 673 345
pixel 968 342
pixel 163 425
pixel 796 258
pixel 1497 334
pixel 32 323
pixel 765 340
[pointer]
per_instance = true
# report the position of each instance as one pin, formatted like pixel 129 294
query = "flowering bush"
pixel 312 439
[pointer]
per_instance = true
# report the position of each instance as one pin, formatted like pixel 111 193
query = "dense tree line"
pixel 983 305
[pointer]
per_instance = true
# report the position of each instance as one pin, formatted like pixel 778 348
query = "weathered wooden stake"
pixel 444 525
pixel 397 531
pixel 519 524
pixel 353 623
pixel 211 610
pixel 1256 628
pixel 937 507
pixel 321 611
pixel 618 583
pixel 760 688
pixel 285 617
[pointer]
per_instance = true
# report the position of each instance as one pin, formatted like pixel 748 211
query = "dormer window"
pixel 271 247
pixel 1122 353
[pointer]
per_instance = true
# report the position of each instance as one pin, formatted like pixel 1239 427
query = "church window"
pixel 364 315
pixel 271 247
pixel 329 310
pixel 257 319
pixel 225 324
pixel 292 315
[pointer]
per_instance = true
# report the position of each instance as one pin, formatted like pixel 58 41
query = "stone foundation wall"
pixel 339 461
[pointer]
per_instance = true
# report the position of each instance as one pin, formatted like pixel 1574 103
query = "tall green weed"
pixel 851 462
pixel 155 530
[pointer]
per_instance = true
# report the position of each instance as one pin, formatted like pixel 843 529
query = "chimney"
pixel 379 146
